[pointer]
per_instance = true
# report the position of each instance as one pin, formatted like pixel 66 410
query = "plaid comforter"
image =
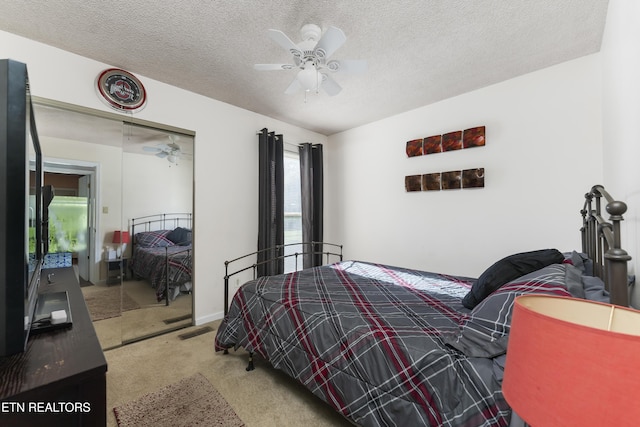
pixel 149 263
pixel 371 340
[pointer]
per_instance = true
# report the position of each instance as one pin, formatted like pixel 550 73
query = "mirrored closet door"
pixel 107 170
pixel 157 200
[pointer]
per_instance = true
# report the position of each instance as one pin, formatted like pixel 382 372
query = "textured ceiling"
pixel 418 52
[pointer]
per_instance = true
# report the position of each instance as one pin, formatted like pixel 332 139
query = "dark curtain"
pixel 312 203
pixel 270 204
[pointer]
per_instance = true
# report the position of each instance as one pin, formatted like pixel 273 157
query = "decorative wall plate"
pixel 432 144
pixel 121 90
pixel 414 147
pixel 473 137
pixel 413 183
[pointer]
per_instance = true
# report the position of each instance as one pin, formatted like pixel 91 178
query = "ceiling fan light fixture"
pixel 309 77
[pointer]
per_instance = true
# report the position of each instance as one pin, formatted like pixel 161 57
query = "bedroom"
pixel 586 103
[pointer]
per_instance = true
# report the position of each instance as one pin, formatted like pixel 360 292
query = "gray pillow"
pixel 180 236
pixel 581 261
pixel 151 239
pixel 485 332
pixel 594 289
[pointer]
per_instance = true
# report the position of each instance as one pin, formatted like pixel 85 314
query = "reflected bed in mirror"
pixel 162 253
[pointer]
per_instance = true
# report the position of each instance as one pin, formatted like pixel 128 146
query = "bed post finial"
pixel 616 256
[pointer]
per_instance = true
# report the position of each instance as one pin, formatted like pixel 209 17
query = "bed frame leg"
pixel 250 367
pixel 226 351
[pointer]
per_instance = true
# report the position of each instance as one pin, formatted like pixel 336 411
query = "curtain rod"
pixel 288 143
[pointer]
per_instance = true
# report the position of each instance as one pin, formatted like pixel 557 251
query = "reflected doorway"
pixel 72 223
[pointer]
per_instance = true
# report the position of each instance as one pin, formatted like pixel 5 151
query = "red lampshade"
pixel 120 237
pixel 572 362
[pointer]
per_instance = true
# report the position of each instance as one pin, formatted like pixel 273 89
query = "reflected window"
pixel 68 224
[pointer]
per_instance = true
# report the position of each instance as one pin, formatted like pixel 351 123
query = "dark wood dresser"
pixel 60 380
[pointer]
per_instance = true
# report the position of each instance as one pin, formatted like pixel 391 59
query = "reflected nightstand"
pixel 116 270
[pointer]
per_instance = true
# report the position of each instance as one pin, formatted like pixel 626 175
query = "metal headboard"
pixel 601 242
pixel 164 221
pixel 308 248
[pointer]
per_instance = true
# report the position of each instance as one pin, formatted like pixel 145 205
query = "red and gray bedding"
pixel 386 345
pixel 152 250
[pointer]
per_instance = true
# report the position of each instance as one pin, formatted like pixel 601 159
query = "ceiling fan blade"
pixel 330 86
pixel 330 41
pixel 162 154
pixel 284 41
pixel 293 88
pixel 151 149
pixel 273 67
pixel 348 66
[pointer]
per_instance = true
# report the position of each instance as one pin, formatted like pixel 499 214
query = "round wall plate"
pixel 121 90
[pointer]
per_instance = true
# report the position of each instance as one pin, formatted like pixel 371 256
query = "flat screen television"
pixel 21 239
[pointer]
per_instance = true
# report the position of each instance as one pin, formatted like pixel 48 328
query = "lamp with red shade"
pixel 572 362
pixel 120 238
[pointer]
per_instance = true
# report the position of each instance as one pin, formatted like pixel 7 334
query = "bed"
pixel 162 253
pixel 387 345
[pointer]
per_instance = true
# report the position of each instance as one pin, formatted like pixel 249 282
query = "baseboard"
pixel 210 318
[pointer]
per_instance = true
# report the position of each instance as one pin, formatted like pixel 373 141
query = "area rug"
pixel 105 303
pixel 192 401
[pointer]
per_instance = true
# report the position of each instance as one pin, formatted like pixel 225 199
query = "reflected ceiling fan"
pixel 171 151
pixel 311 58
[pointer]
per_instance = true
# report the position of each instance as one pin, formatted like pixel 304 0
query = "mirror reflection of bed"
pixel 160 266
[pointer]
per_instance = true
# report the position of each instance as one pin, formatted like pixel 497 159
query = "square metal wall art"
pixel 450 141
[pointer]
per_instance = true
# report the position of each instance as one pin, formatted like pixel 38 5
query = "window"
pixel 292 211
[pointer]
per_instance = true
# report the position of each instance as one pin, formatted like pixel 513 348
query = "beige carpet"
pixel 191 401
pixel 264 397
pixel 104 302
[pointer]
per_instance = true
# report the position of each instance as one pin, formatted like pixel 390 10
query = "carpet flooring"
pixel 192 401
pixel 264 397
pixel 105 303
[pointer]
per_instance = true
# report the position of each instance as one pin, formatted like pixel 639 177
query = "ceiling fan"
pixel 311 57
pixel 170 151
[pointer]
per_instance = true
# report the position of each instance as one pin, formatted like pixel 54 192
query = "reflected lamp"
pixel 573 362
pixel 121 238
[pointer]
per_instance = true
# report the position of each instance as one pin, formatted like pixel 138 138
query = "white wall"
pixel 154 185
pixel 621 115
pixel 225 159
pixel 543 152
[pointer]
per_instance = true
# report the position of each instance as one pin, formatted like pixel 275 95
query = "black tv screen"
pixel 21 247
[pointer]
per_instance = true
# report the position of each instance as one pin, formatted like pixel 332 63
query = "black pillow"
pixel 508 269
pixel 180 236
